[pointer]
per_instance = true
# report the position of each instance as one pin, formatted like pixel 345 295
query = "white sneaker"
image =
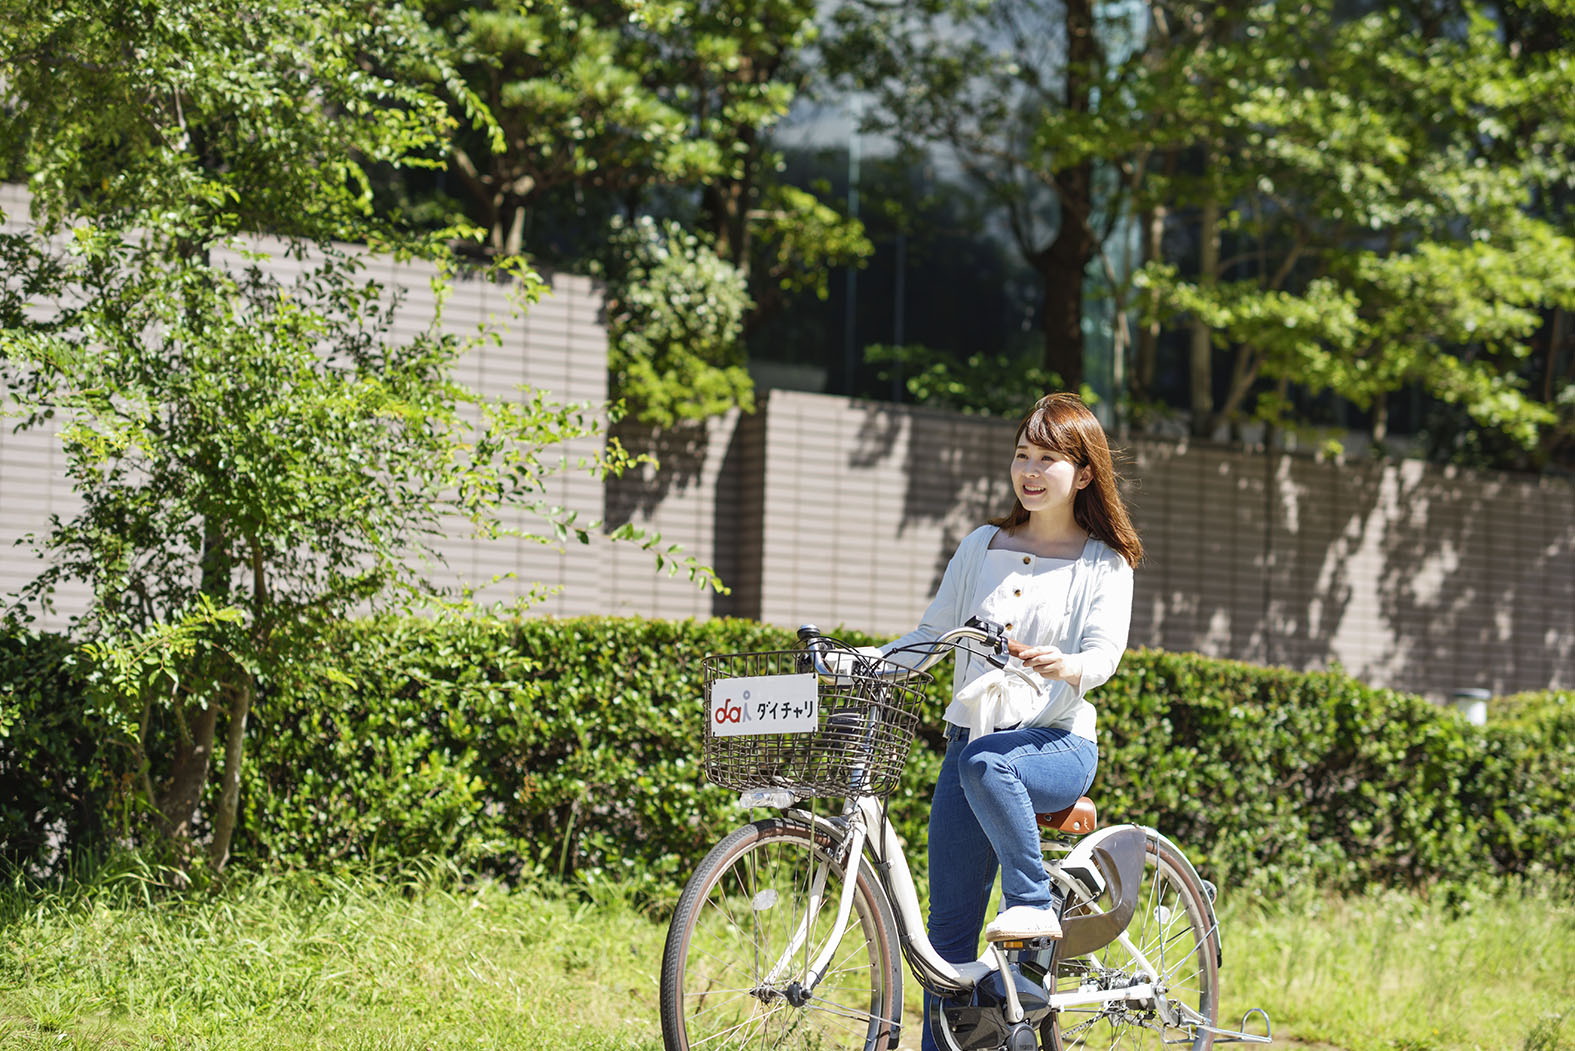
pixel 1023 922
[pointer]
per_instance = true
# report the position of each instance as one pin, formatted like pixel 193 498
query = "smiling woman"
pixel 1056 573
pixel 1060 430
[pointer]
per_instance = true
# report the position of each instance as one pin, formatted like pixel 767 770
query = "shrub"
pixel 675 325
pixel 557 747
pixel 62 779
pixel 1530 707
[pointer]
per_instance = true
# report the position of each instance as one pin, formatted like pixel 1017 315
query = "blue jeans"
pixel 982 815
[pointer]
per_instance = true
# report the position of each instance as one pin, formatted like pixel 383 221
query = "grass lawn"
pixel 424 961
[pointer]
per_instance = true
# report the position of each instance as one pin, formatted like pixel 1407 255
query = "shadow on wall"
pixel 738 518
pixel 709 480
pixel 1316 522
pixel 680 453
pixel 1435 581
pixel 1419 577
pixel 1409 576
pixel 1470 575
pixel 955 469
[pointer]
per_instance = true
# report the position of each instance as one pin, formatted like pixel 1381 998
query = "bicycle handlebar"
pixel 819 647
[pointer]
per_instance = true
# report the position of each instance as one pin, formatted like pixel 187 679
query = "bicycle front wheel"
pixel 746 932
pixel 1173 930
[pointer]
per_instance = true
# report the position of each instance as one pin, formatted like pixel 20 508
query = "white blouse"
pixel 1082 606
pixel 1028 597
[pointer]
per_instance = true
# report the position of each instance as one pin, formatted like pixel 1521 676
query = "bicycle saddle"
pixel 1079 819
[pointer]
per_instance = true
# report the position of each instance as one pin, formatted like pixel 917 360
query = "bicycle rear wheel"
pixel 742 941
pixel 1173 928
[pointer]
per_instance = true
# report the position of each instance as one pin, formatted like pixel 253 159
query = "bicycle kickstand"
pixel 1241 1036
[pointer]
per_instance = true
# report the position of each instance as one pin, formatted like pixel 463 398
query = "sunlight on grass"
pixel 1394 971
pixel 426 960
pixel 317 961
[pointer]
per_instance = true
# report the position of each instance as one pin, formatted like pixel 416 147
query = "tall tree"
pixel 578 110
pixel 616 110
pixel 1377 227
pixel 253 454
pixel 735 67
pixel 992 82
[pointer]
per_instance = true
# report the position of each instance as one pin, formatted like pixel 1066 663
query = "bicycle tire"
pixel 1174 926
pixel 733 922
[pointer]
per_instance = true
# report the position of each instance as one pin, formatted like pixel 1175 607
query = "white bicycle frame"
pixel 852 840
pixel 854 845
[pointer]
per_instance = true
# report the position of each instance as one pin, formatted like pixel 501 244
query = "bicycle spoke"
pixel 751 1020
pixel 725 906
pixel 859 1023
pixel 841 966
pixel 736 994
pixel 1169 934
pixel 758 917
pixel 1183 982
pixel 762 955
pixel 753 943
pixel 843 1012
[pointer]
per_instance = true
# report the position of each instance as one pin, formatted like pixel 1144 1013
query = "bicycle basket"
pixel 855 745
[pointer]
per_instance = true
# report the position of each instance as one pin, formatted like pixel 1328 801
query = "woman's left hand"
pixel 1048 661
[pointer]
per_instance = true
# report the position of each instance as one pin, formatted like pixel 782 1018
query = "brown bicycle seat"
pixel 1079 819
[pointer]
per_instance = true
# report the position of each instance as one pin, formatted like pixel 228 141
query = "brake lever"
pixel 996 634
pixel 1000 653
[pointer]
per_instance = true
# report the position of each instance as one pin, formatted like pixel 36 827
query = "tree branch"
pixel 474 181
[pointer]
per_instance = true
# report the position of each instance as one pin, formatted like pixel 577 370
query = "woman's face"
pixel 1046 480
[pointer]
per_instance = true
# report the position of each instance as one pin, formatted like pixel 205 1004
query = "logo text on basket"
pixel 764 704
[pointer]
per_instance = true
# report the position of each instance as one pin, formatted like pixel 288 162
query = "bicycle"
pixel 791 933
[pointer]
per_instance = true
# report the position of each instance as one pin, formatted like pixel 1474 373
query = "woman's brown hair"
pixel 1063 424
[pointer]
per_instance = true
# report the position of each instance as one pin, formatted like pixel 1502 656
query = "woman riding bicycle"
pixel 1057 573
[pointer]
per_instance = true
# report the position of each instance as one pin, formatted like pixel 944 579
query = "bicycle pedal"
pixel 1026 944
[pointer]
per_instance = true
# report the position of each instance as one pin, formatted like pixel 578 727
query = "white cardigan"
pixel 1098 617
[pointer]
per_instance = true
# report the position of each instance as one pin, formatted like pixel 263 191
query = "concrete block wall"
pixel 818 508
pixel 1423 578
pixel 557 345
pixel 33 486
pixel 864 504
pixel 701 494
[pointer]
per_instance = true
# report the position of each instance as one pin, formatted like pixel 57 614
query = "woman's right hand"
pixel 1048 661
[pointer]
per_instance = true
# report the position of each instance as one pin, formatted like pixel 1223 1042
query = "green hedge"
pixel 1527 709
pixel 557 747
pixel 62 779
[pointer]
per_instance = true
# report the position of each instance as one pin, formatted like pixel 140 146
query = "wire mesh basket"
pixel 853 743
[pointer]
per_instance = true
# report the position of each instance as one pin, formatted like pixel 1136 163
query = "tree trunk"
pixel 194 755
pixel 1066 259
pixel 513 242
pixel 1147 366
pixel 1555 344
pixel 230 787
pixel 183 792
pixel 727 208
pixel 1243 375
pixel 1062 272
pixel 1200 359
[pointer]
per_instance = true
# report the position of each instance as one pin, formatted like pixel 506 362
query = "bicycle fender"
pixel 1116 853
pixel 1208 898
